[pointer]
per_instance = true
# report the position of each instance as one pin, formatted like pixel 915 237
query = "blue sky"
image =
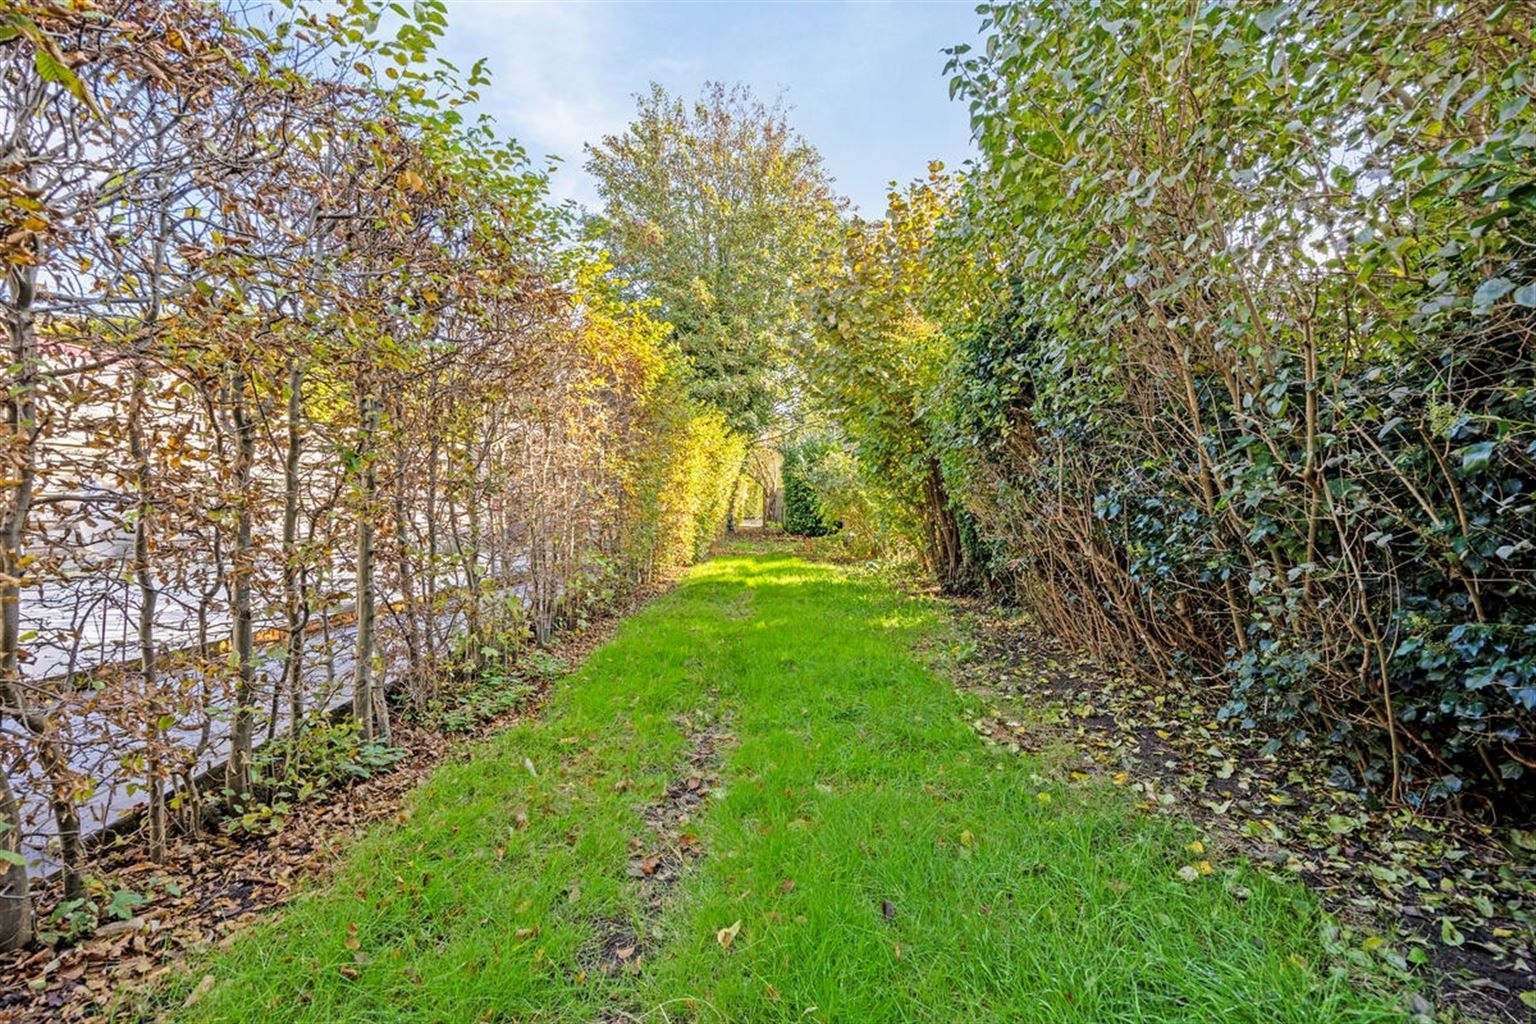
pixel 865 79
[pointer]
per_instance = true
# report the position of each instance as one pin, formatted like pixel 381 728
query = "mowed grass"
pixel 883 864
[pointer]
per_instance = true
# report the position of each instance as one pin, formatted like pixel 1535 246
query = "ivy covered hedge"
pixel 1220 363
pixel 1253 395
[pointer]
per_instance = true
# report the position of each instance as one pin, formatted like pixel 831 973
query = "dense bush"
pixel 1252 394
pixel 874 354
pixel 804 515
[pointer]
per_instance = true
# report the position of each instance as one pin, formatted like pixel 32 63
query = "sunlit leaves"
pixel 713 210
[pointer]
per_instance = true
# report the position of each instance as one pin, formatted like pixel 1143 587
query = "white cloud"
pixel 551 84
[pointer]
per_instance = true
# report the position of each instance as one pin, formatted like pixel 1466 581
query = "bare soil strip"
pixel 657 865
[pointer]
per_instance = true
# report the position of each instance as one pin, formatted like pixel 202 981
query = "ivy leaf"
pixel 1475 457
pixel 1491 291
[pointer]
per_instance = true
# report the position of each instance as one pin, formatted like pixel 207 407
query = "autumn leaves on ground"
pixel 764 801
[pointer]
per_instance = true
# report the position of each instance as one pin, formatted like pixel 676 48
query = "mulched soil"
pixel 1451 902
pixel 212 884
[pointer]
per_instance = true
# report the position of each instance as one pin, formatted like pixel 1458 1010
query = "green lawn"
pixel 883 864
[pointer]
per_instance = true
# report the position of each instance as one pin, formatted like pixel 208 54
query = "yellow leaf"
pixel 726 936
pixel 967 840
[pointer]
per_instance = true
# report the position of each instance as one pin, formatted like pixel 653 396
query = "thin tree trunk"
pixel 243 561
pixel 432 545
pixel 15 889
pixel 21 428
pixel 149 596
pixel 293 585
pixel 413 643
pixel 363 702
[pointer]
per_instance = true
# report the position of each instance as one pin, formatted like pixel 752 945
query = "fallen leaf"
pixel 203 988
pixel 726 936
pixel 1449 933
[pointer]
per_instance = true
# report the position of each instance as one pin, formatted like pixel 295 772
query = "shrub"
pixel 1249 393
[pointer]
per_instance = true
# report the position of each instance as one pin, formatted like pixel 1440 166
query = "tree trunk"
pixel 21 467
pixel 296 606
pixel 945 551
pixel 149 595
pixel 407 570
pixel 364 704
pixel 15 890
pixel 243 566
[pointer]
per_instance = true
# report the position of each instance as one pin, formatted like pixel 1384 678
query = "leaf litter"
pixel 1449 901
pixel 658 861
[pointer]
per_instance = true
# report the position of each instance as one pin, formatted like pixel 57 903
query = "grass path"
pixel 764 750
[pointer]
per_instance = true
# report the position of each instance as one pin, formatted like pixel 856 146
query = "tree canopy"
pixel 715 210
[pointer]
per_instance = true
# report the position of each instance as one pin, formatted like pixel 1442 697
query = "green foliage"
pixel 491 696
pixel 315 757
pixel 847 497
pixel 1250 391
pixel 76 918
pixel 101 902
pixel 681 484
pixel 874 361
pixel 804 515
pixel 716 208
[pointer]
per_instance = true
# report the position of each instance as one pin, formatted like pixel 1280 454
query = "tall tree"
pixel 715 210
